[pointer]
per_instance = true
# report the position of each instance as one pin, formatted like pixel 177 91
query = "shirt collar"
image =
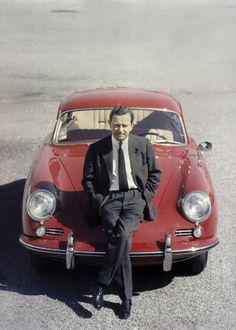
pixel 116 143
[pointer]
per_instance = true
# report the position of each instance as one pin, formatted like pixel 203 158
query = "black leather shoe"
pixel 125 309
pixel 97 299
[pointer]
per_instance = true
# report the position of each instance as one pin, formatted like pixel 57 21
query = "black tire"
pixel 199 263
pixel 39 263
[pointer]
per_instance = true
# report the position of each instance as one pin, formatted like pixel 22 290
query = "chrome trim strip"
pixel 132 254
pixel 40 249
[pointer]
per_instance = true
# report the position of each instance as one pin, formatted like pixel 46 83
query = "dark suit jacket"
pixel 98 171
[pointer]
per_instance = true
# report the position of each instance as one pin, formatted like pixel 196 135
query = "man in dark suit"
pixel 121 176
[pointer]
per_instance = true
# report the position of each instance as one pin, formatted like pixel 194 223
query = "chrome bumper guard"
pixel 70 256
pixel 167 261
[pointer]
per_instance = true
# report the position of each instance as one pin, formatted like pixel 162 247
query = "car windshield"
pixel 159 126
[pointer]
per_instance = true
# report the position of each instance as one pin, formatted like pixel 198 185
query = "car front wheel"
pixel 198 264
pixel 38 263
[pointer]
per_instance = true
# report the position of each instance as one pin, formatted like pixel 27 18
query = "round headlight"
pixel 196 206
pixel 41 205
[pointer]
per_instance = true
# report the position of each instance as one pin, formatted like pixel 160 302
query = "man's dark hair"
pixel 120 110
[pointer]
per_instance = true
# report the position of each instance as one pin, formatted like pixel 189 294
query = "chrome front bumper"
pixel 168 255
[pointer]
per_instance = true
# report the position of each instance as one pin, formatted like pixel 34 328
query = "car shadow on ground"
pixel 70 287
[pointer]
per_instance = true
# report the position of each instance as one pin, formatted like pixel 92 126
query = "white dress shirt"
pixel 115 174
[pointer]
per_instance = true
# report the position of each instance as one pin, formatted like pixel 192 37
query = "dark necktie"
pixel 123 184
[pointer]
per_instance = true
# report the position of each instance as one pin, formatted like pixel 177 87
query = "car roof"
pixel 109 97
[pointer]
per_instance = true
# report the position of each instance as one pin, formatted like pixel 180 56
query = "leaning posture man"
pixel 121 176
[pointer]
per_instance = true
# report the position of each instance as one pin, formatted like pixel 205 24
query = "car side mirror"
pixel 205 146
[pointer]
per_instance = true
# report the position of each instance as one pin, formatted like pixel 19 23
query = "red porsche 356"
pixel 54 203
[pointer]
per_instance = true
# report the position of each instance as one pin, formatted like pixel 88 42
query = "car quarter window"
pixel 159 126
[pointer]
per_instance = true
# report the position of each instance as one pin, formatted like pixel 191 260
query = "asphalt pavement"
pixel 49 49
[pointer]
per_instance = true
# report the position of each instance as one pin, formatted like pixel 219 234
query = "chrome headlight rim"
pixel 185 199
pixel 53 205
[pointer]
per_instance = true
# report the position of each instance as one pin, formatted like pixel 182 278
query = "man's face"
pixel 121 126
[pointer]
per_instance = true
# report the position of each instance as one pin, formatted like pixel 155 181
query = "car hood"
pixel 181 170
pixel 174 164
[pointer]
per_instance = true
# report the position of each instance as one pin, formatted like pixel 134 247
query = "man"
pixel 120 176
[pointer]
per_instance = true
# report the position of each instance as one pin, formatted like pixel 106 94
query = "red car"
pixel 54 204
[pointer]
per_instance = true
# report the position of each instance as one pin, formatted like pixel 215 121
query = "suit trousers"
pixel 121 214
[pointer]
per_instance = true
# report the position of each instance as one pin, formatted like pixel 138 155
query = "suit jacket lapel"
pixel 107 156
pixel 132 155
